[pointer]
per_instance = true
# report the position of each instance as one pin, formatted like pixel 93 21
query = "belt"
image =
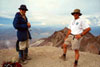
pixel 73 36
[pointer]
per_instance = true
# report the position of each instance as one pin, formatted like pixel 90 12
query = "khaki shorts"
pixel 75 43
pixel 23 44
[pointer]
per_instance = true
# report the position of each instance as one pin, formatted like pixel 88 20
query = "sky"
pixel 50 12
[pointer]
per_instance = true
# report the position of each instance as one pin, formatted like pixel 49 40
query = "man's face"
pixel 23 11
pixel 76 15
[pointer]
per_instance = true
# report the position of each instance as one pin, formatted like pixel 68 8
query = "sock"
pixel 64 55
pixel 20 53
pixel 76 62
pixel 26 50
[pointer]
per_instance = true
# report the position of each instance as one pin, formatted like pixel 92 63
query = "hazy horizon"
pixel 51 12
pixel 46 17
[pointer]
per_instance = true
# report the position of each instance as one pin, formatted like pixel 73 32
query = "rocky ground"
pixel 48 56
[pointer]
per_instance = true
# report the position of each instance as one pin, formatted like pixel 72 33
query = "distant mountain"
pixel 95 30
pixel 5 20
pixel 41 32
pixel 8 33
pixel 89 42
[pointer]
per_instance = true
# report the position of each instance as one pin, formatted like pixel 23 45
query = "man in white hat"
pixel 76 30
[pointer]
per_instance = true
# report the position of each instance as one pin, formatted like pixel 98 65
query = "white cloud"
pixel 1 24
pixel 51 19
pixel 98 24
pixel 6 14
pixel 43 24
pixel 92 20
pixel 38 24
pixel 88 21
pixel 50 12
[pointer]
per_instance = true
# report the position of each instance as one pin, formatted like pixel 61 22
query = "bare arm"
pixel 85 31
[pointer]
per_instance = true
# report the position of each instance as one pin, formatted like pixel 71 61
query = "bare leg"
pixel 76 58
pixel 64 48
pixel 77 55
pixel 64 52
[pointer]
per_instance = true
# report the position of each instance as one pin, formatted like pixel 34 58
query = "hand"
pixel 78 36
pixel 29 25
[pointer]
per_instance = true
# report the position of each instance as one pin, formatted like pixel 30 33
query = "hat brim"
pixel 23 9
pixel 76 13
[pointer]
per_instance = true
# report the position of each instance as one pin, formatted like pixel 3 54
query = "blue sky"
pixel 50 12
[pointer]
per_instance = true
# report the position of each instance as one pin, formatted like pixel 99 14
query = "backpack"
pixel 10 64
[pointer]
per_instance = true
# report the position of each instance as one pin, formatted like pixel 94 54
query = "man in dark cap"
pixel 22 25
pixel 76 30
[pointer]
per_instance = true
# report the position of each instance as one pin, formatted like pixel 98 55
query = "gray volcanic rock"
pixel 56 39
pixel 88 43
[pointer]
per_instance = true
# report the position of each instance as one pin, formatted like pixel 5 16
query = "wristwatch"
pixel 81 34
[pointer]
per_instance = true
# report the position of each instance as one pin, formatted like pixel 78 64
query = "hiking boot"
pixel 22 61
pixel 28 58
pixel 63 57
pixel 75 65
